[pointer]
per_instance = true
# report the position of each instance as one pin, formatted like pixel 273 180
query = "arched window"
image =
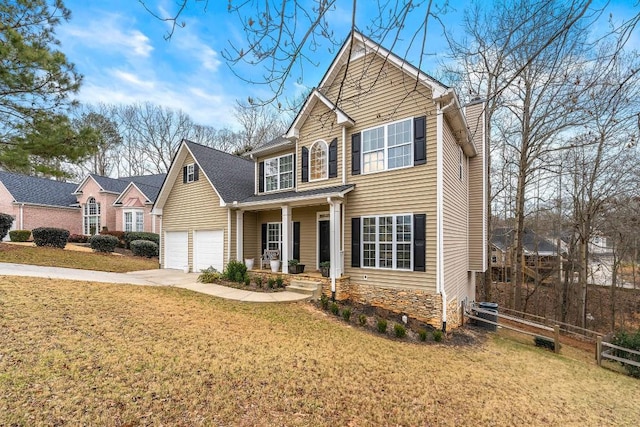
pixel 91 217
pixel 319 161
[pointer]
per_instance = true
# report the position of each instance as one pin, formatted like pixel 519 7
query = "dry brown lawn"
pixel 54 257
pixel 74 353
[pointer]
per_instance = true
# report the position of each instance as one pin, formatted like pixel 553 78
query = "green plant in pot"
pixel 295 267
pixel 325 268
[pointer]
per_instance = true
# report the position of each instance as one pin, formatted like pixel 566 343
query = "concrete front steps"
pixel 307 287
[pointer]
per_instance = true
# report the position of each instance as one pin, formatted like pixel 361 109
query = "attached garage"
pixel 176 249
pixel 208 249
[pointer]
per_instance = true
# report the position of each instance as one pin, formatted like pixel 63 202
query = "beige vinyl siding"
pixel 193 206
pixel 384 94
pixel 321 125
pixel 289 150
pixel 477 189
pixel 454 225
pixel 251 237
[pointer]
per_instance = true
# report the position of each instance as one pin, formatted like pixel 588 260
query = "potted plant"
pixel 295 267
pixel 325 268
pixel 275 263
pixel 249 263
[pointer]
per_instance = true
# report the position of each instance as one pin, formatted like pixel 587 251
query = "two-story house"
pixel 382 173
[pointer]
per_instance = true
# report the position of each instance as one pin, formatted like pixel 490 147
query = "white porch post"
pixel 287 238
pixel 335 223
pixel 239 235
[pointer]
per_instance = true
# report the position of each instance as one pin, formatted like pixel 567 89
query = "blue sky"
pixel 122 53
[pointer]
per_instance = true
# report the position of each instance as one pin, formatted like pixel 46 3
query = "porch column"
pixel 239 235
pixel 335 222
pixel 287 238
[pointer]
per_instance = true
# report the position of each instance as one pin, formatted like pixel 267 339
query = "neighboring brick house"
pixel 382 172
pixel 122 204
pixel 39 202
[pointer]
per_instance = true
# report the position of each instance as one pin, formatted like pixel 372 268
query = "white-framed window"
pixel 319 161
pixel 91 217
pixel 274 235
pixel 133 220
pixel 387 147
pixel 387 241
pixel 191 173
pixel 278 173
pixel 460 163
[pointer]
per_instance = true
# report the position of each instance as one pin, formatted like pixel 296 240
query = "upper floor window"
pixel 318 157
pixel 278 173
pixel 387 147
pixel 191 173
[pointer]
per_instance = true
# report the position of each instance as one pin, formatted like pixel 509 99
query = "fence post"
pixel 556 338
pixel 599 350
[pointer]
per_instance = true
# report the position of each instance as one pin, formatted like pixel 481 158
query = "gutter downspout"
pixel 22 216
pixel 344 155
pixel 332 244
pixel 228 234
pixel 440 211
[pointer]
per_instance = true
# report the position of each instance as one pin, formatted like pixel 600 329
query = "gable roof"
pixel 342 118
pixel 38 191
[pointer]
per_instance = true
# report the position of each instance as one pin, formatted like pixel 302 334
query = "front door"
pixel 324 250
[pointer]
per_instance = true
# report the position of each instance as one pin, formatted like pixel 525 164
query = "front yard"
pixel 54 257
pixel 98 354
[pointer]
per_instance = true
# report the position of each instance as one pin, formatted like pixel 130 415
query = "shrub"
pixel 48 236
pixel 247 280
pixel 437 335
pixel 6 221
pixel 209 275
pixel 235 271
pixel 631 341
pixel 270 282
pixel 19 235
pixel 324 302
pixel 102 243
pixel 346 314
pixel 335 309
pixel 119 235
pixel 258 280
pixel 279 282
pixel 422 334
pixel 144 248
pixel 362 319
pixel 382 326
pixel 400 330
pixel 77 238
pixel 130 236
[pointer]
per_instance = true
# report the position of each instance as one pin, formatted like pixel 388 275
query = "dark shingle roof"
pixel 40 191
pixel 113 185
pixel 503 238
pixel 148 180
pixel 149 190
pixel 287 195
pixel 232 176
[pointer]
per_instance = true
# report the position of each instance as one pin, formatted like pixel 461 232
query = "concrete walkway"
pixel 174 278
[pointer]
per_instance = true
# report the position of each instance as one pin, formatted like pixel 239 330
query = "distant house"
pixel 386 183
pixel 39 202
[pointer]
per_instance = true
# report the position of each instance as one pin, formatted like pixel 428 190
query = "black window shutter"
pixel 305 164
pixel 184 174
pixel 294 170
pixel 196 172
pixel 333 158
pixel 261 177
pixel 264 237
pixel 355 242
pixel 419 237
pixel 419 141
pixel 355 154
pixel 296 240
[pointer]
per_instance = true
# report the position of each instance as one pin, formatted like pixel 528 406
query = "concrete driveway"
pixel 175 278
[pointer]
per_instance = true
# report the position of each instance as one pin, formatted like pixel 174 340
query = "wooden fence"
pixel 605 350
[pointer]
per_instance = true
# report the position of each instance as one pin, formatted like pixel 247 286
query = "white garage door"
pixel 208 249
pixel 176 249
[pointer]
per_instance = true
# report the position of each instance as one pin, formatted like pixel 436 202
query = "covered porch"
pixel 306 226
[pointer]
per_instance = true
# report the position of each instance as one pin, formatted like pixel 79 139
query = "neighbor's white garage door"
pixel 176 249
pixel 208 249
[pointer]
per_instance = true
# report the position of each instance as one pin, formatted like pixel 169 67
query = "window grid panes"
pixel 319 161
pixel 91 214
pixel 128 222
pixel 190 173
pixel 274 236
pixel 139 221
pixel 387 147
pixel 387 241
pixel 278 173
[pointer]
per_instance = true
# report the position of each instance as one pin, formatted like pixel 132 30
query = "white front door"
pixel 176 249
pixel 208 249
